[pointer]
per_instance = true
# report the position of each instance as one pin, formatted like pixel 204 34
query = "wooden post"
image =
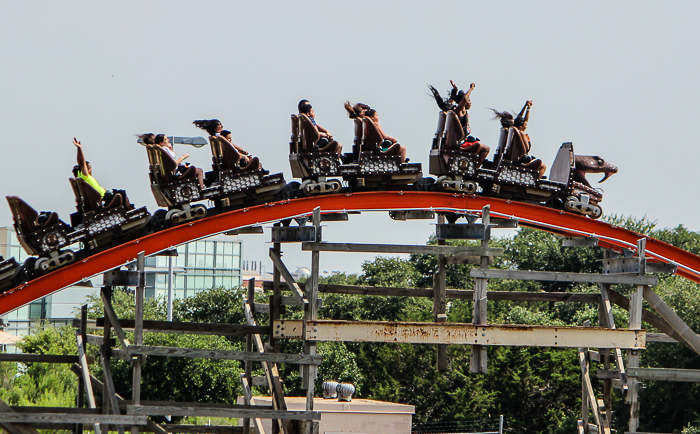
pixel 311 314
pixel 605 355
pixel 636 324
pixel 479 360
pixel 138 334
pixel 248 375
pixel 440 300
pixel 81 383
pixel 275 310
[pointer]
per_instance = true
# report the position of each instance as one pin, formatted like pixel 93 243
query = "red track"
pixel 538 217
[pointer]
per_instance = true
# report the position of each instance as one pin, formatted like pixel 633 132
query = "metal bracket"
pixel 504 223
pixel 119 277
pixel 461 231
pixel 294 234
pixel 631 266
pixel 579 242
pixel 412 215
pixel 246 230
pixel 334 217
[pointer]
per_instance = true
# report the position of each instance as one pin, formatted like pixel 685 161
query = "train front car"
pixel 364 168
pixel 240 185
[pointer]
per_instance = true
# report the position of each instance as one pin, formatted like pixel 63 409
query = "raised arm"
pixel 462 106
pixel 181 159
pixel 82 164
pixel 526 111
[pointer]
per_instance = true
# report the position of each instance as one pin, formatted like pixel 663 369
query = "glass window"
pixel 208 282
pixel 199 261
pixel 180 261
pixel 151 261
pixel 226 262
pixel 236 248
pixel 190 260
pixel 179 293
pixel 235 281
pixel 209 261
pixel 190 282
pixel 209 245
pixel 179 281
pixel 198 282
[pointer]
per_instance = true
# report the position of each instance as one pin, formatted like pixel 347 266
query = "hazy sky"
pixel 618 79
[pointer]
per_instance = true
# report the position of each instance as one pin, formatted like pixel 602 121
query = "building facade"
pixel 198 266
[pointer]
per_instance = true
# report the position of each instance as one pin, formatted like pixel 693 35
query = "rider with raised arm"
pixel 83 170
pixel 520 124
pixel 460 102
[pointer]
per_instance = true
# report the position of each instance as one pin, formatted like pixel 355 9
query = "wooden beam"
pixel 114 321
pixel 222 354
pixel 610 323
pixel 656 374
pixel 42 358
pixel 462 294
pixel 97 384
pixel 590 393
pixel 249 400
pixel 648 317
pixel 271 374
pixel 287 276
pixel 678 325
pixel 407 248
pixel 111 394
pixel 95 419
pixel 551 276
pixel 137 362
pixel 220 412
pixel 460 334
pixel 86 378
pixel 207 429
pixel 192 327
pixel 10 427
pixel 662 338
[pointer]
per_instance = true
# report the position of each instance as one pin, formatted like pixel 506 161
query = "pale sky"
pixel 618 79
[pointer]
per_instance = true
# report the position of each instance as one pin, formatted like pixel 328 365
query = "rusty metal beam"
pixel 460 334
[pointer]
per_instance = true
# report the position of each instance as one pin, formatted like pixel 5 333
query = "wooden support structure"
pixel 440 299
pixel 193 328
pixel 459 294
pixel 459 334
pixel 311 314
pixel 395 248
pixel 138 335
pixel 635 323
pixel 479 363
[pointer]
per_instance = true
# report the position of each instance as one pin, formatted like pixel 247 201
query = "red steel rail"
pixel 534 216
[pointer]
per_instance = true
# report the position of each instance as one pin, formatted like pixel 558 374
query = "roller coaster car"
pixel 237 184
pixel 44 235
pixel 101 222
pixel 457 170
pixel 11 273
pixel 365 167
pixel 176 191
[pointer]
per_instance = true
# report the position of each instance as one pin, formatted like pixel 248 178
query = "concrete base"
pixel 359 416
